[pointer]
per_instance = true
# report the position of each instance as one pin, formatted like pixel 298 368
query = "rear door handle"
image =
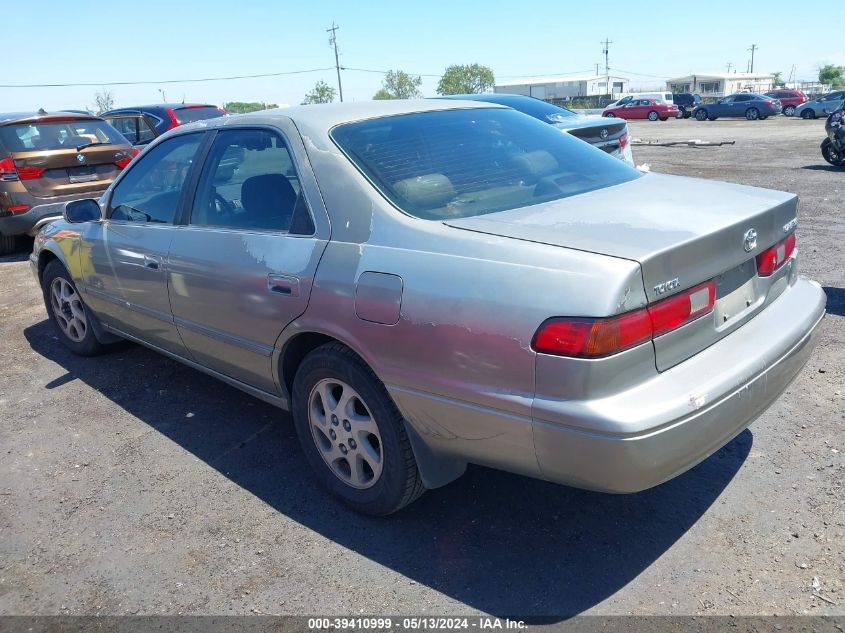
pixel 152 262
pixel 286 285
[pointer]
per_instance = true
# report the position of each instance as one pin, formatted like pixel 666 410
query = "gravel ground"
pixel 132 485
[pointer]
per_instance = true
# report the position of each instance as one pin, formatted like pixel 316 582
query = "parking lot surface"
pixel 130 484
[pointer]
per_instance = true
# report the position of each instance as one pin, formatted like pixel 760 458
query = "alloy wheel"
pixel 345 433
pixel 68 309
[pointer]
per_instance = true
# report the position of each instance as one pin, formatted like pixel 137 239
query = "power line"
pixel 166 81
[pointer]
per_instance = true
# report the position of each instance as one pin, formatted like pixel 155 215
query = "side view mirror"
pixel 85 210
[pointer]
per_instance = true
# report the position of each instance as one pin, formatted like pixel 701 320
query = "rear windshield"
pixel 462 163
pixel 25 137
pixel 187 115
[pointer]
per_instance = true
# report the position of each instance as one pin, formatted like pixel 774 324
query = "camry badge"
pixel 80 158
pixel 604 133
pixel 666 286
pixel 749 240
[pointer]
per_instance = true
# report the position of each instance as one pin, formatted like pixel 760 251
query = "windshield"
pixel 461 163
pixel 190 114
pixel 58 135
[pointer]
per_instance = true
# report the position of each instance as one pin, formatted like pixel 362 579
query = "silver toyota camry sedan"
pixel 427 284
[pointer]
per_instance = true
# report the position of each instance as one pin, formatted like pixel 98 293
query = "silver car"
pixel 820 106
pixel 427 284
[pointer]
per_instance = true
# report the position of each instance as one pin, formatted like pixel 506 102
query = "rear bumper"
pixel 31 221
pixel 672 422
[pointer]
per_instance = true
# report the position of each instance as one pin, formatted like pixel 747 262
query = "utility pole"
pixel 606 52
pixel 752 49
pixel 333 42
pixel 597 70
pixel 728 66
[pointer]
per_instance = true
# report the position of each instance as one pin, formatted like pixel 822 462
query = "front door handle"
pixel 286 285
pixel 152 262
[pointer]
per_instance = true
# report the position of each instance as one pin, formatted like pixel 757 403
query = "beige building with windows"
pixel 721 84
pixel 564 87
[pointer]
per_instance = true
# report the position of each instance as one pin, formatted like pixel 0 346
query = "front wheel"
pixel 809 113
pixel 701 115
pixel 610 115
pixel 352 433
pixel 829 153
pixel 653 116
pixel 68 313
pixel 752 114
pixel 681 114
pixel 789 110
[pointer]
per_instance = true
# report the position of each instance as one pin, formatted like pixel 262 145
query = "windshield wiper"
pixel 79 148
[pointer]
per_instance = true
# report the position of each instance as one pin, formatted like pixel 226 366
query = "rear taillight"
pixel 594 338
pixel 623 140
pixel 123 162
pixel 9 171
pixel 773 258
pixel 174 122
pixel 18 208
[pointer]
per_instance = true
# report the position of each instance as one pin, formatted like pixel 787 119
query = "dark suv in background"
pixel 141 124
pixel 49 158
pixel 686 103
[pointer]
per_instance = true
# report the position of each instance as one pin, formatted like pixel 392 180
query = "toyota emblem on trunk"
pixel 604 133
pixel 80 158
pixel 749 241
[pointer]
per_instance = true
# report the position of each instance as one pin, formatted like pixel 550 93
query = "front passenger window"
pixel 151 189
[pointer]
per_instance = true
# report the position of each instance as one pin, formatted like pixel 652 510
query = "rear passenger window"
pixel 249 182
pixel 151 190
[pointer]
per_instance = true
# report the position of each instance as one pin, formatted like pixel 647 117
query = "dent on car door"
pixel 242 267
pixel 125 278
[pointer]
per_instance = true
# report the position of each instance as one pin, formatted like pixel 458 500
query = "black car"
pixel 141 124
pixel 686 103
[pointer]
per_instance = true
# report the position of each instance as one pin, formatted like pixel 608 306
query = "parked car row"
pixel 49 158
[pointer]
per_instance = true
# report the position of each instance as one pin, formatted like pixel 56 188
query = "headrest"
pixel 538 163
pixel 428 192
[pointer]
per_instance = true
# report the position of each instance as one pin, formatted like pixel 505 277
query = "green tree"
pixel 321 93
pixel 468 79
pixel 241 107
pixel 830 74
pixel 776 80
pixel 398 84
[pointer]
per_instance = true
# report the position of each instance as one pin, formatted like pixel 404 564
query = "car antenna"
pixel 42 111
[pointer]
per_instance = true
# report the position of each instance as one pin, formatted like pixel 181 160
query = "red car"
pixel 650 109
pixel 789 99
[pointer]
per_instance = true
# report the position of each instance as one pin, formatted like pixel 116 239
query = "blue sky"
pixel 55 41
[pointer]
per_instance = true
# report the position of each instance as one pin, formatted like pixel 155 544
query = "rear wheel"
pixel 67 311
pixel 789 110
pixel 809 113
pixel 610 115
pixel 653 115
pixel 7 244
pixel 700 115
pixel 830 154
pixel 752 114
pixel 352 433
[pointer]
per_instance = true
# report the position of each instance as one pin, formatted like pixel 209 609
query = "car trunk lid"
pixel 682 232
pixel 68 171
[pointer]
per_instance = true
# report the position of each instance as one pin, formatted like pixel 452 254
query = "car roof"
pixel 327 115
pixel 8 118
pixel 160 106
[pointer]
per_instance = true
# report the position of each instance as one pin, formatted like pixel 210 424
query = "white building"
pixel 721 84
pixel 564 87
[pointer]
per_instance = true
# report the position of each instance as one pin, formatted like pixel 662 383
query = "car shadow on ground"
pixel 497 542
pixel 823 167
pixel 835 300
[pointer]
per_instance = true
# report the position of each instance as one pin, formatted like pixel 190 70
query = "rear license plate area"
pixel 82 174
pixel 737 295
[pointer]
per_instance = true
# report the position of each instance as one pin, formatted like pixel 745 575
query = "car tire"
pixel 7 244
pixel 610 115
pixel 789 110
pixel 653 115
pixel 752 114
pixel 701 115
pixel 70 316
pixel 352 434
pixel 809 113
pixel 682 114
